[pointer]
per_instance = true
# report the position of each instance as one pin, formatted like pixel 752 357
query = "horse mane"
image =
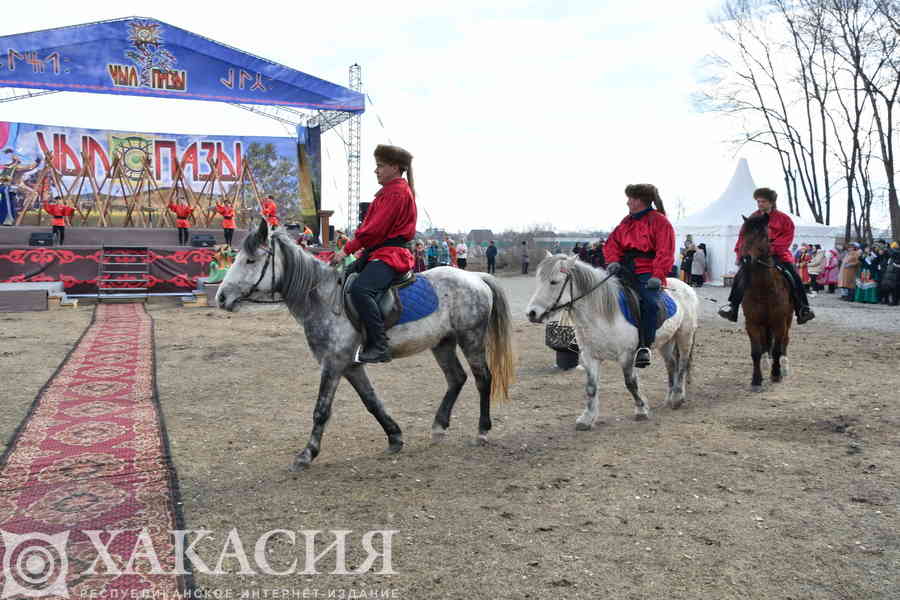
pixel 603 300
pixel 301 271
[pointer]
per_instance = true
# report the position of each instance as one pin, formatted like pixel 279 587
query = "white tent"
pixel 719 224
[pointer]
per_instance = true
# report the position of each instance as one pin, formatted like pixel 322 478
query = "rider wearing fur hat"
pixel 390 224
pixel 645 243
pixel 781 236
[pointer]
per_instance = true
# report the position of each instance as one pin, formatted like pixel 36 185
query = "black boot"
pixel 729 311
pixel 805 314
pixel 376 351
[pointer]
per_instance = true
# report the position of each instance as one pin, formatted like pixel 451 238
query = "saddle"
pixel 633 305
pixel 389 302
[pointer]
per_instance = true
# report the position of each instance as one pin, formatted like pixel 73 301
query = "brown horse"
pixel 768 306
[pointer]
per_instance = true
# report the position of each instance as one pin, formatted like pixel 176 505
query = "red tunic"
pixel 392 215
pixel 781 236
pixel 270 212
pixel 183 212
pixel 59 212
pixel 227 213
pixel 647 231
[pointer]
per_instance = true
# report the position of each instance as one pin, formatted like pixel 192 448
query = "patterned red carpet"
pixel 92 455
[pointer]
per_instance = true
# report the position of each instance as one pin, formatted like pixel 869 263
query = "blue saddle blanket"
pixel 418 301
pixel 625 307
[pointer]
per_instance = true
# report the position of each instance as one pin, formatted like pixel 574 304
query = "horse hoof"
pixel 641 417
pixel 776 378
pixel 483 439
pixel 676 404
pixel 438 436
pixel 299 466
pixel 395 446
pixel 579 426
pixel 756 388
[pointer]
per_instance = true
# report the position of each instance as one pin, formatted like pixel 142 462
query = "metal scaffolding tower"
pixel 354 149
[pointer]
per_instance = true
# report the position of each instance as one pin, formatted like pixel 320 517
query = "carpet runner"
pixel 92 455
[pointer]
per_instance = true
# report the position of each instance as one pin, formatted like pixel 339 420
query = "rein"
pixel 557 307
pixel 270 258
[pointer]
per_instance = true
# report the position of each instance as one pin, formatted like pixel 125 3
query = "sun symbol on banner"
pixel 132 152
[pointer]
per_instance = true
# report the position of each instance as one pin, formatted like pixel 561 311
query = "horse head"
pixel 756 236
pixel 252 276
pixel 554 276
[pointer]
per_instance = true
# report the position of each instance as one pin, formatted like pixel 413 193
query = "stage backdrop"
pixel 287 168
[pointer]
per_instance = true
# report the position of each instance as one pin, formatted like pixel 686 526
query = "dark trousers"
pixel 492 265
pixel 184 234
pixel 649 310
pixel 462 262
pixel 229 234
pixel 797 291
pixel 373 280
pixel 59 232
pixel 697 280
pixel 524 268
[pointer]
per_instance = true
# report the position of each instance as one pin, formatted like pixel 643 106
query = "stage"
pixel 172 269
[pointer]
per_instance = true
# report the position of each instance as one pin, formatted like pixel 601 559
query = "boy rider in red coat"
pixel 389 225
pixel 183 212
pixel 59 212
pixel 781 236
pixel 645 242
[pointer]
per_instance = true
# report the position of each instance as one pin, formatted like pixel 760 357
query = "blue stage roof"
pixel 145 57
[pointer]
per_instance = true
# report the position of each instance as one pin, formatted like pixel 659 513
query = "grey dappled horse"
pixel 603 333
pixel 473 313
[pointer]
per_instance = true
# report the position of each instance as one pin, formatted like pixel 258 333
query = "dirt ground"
pixel 790 493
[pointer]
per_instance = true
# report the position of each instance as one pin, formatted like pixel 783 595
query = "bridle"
pixel 558 307
pixel 270 259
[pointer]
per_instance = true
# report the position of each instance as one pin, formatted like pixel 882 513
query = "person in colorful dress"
pixel 60 213
pixel 270 211
pixel 227 212
pixel 183 214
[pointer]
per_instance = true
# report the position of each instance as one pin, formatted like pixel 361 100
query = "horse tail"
pixel 501 361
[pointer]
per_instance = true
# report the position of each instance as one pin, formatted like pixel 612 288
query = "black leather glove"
pixel 654 283
pixel 613 268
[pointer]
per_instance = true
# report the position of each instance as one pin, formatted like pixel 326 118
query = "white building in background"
pixel 719 224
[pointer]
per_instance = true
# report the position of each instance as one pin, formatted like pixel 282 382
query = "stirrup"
pixel 728 312
pixel 641 361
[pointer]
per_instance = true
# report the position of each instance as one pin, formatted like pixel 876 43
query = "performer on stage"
pixel 60 213
pixel 270 211
pixel 227 212
pixel 183 212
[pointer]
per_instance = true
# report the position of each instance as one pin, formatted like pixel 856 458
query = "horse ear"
pixel 744 218
pixel 262 232
pixel 549 254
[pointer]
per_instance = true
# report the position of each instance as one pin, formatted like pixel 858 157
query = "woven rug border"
pixel 186 582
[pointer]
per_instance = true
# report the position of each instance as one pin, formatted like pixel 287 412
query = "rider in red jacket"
pixel 389 226
pixel 781 236
pixel 60 212
pixel 642 249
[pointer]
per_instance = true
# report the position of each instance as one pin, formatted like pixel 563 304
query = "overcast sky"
pixel 516 116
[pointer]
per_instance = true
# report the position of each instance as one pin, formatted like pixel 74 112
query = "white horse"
pixel 603 333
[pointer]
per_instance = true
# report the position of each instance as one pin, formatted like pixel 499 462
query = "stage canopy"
pixel 145 57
